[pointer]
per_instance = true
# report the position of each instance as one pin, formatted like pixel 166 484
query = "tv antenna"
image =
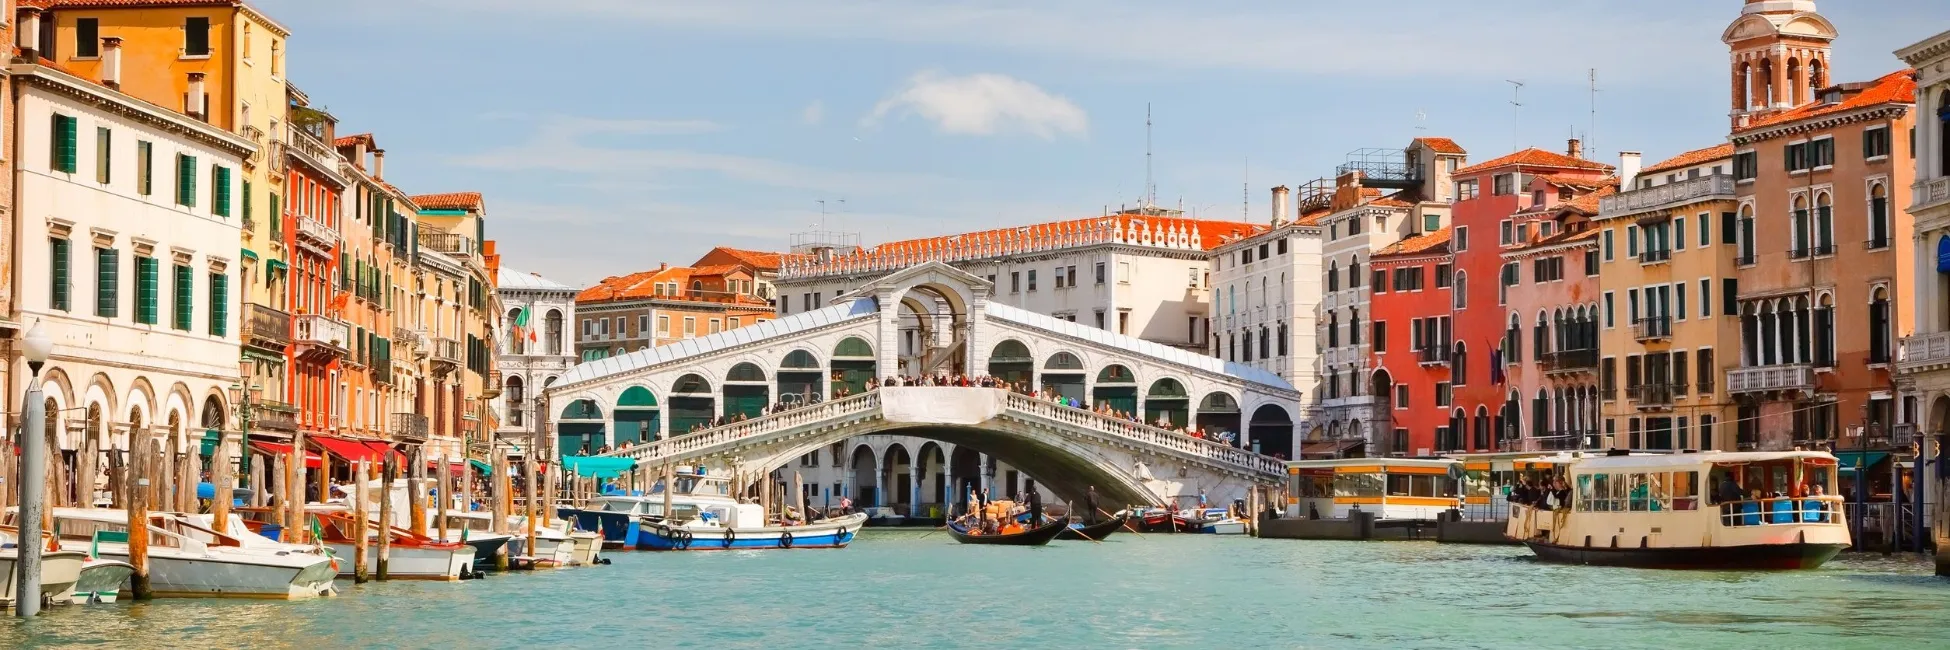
pixel 1150 189
pixel 1590 136
pixel 1516 113
pixel 1246 192
pixel 1421 120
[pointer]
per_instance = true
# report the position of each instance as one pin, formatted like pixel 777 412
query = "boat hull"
pixel 1093 532
pixel 618 529
pixel 589 547
pixel 101 581
pixel 827 534
pixel 1223 527
pixel 486 547
pixel 186 575
pixel 60 570
pixel 408 563
pixel 1762 556
pixel 1037 536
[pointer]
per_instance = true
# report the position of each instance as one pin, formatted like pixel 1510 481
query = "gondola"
pixel 1037 536
pixel 1093 532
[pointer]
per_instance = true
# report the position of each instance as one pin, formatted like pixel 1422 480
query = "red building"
pixel 1489 196
pixel 1413 327
pixel 321 340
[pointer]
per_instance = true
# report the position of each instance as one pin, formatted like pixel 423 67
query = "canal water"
pixel 912 589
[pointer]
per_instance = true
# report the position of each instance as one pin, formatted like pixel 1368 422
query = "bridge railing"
pixel 684 444
pixel 1147 434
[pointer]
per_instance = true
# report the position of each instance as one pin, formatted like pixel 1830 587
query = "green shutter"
pixel 219 304
pixel 185 296
pixel 107 279
pixel 144 165
pixel 277 216
pixel 146 270
pixel 345 260
pixel 62 158
pixel 58 276
pixel 186 180
pixel 220 190
pixel 247 199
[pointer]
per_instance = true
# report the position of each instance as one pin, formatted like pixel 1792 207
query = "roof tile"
pixel 1420 244
pixel 1895 87
pixel 1441 145
pixel 449 201
pixel 1691 158
pixel 1534 157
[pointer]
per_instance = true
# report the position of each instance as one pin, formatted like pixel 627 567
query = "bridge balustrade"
pixel 1146 434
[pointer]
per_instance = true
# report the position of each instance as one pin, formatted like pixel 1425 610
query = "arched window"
pixel 1280 337
pixel 1265 343
pixel 1824 225
pixel 517 340
pixel 1747 246
pixel 1879 335
pixel 1460 291
pixel 1333 276
pixel 1878 215
pixel 854 347
pixel 1354 326
pixel 1801 227
pixel 552 330
pixel 1354 267
pixel 1459 365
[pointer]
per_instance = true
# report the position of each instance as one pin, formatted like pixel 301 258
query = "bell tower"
pixel 1779 57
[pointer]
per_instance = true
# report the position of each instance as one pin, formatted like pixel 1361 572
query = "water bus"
pixel 1391 488
pixel 1707 510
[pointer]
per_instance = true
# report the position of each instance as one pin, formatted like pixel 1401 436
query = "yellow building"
pixel 454 285
pixel 1666 334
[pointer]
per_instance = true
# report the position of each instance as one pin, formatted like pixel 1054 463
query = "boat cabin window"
pixel 619 506
pixel 1637 491
pixel 1364 484
pixel 1786 477
pixel 1313 484
pixel 1420 485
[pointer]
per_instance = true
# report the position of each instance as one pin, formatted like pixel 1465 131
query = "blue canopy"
pixel 597 466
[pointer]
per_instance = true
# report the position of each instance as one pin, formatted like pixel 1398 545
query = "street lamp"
pixel 33 475
pixel 243 398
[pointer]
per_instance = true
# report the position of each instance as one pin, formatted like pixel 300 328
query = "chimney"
pixel 1575 149
pixel 1628 169
pixel 193 99
pixel 29 36
pixel 359 154
pixel 1279 205
pixel 379 164
pixel 112 62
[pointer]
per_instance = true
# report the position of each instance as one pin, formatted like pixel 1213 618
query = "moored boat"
pixel 409 556
pixel 1215 521
pixel 1098 531
pixel 60 570
pixel 183 566
pixel 101 581
pixel 729 527
pixel 1708 510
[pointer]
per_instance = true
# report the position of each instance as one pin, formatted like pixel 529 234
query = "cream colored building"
pixel 1924 363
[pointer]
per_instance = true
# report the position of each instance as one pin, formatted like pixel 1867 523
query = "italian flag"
pixel 521 325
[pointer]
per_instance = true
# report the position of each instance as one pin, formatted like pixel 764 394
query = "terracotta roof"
pixel 1580 182
pixel 760 260
pixel 354 140
pixel 716 269
pixel 1211 234
pixel 127 4
pixel 1441 145
pixel 1895 87
pixel 1691 158
pixel 643 284
pixel 1312 218
pixel 1588 203
pixel 449 201
pixel 1534 157
pixel 1418 244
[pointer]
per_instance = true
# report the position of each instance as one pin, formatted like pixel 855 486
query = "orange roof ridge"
pixel 1691 158
pixel 1441 145
pixel 1418 244
pixel 449 201
pixel 1534 157
pixel 1895 87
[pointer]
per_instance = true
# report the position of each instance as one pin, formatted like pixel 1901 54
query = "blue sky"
pixel 610 135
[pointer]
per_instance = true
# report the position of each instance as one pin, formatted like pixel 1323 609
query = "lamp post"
pixel 33 476
pixel 244 397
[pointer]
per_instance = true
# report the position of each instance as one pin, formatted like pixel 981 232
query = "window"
pixel 642 325
pixel 714 326
pixel 219 304
pixel 1631 241
pixel 1442 276
pixel 1281 248
pixel 1123 322
pixel 1466 190
pixel 1610 309
pixel 1679 233
pixel 1547 269
pixel 87 38
pixel 1822 152
pixel 1032 279
pixel 1705 229
pixel 1505 184
pixel 1380 336
pixel 1878 216
pixel 663 326
pixel 63 154
pixel 146 285
pixel 1100 275
pixel 1401 396
pixel 1015 282
pixel 1431 222
pixel 103 154
pixel 1442 393
pixel 196 36
pixel 1070 274
pixel 1746 166
pixel 1591 262
pixel 1503 232
pixel 1460 296
pixel 220 190
pixel 144 158
pixel 1462 238
pixel 1608 378
pixel 1679 301
pixel 58 281
pixel 186 181
pixel 1707 372
pixel 1608 244
pixel 1729 296
pixel 1380 281
pixel 1796 156
pixel 1875 142
pixel 690 327
pixel 107 280
pixel 185 294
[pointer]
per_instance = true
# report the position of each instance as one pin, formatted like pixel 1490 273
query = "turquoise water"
pixel 910 589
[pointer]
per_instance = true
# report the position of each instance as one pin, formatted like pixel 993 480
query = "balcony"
pixel 1562 361
pixel 315 236
pixel 1924 352
pixel 1929 194
pixel 1434 355
pixel 1670 195
pixel 442 242
pixel 320 338
pixel 445 355
pixel 273 415
pixel 1655 256
pixel 1654 328
pixel 266 328
pixel 1652 396
pixel 307 149
pixel 1768 379
pixel 409 427
pixel 1383 168
pixel 1744 259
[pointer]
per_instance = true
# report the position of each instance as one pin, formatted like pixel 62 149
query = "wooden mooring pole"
pixel 359 525
pixel 138 511
pixel 388 468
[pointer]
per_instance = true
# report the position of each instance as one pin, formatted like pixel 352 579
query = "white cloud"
pixel 983 104
pixel 813 113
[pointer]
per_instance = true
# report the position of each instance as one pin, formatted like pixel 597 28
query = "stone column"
pixel 879 480
pixel 1779 80
pixel 914 488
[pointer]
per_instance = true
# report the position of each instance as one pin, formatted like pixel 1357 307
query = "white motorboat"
pixel 409 556
pixel 101 581
pixel 556 542
pixel 60 570
pixel 479 533
pixel 182 566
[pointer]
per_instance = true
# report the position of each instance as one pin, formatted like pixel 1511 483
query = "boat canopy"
pixel 1653 462
pixel 598 466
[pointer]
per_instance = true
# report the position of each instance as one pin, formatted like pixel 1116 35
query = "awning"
pixel 477 465
pixel 249 254
pixel 284 451
pixel 598 466
pixel 1848 459
pixel 277 266
pixel 356 450
pixel 481 466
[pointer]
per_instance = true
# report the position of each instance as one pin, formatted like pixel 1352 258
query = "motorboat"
pixel 474 529
pixel 187 561
pixel 884 517
pixel 101 581
pixel 1214 521
pixel 1707 510
pixel 735 526
pixel 410 556
pixel 620 517
pixel 557 542
pixel 60 569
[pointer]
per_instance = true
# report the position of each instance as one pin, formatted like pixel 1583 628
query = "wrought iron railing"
pixel 267 323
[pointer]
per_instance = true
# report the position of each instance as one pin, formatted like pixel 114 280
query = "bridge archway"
pixel 1010 361
pixel 863 470
pixel 932 481
pixel 692 404
pixel 897 479
pixel 1166 403
pixel 1117 388
pixel 1063 376
pixel 1272 431
pixel 746 391
pixel 580 428
pixel 638 416
pixel 1219 413
pixel 852 365
pixel 965 464
pixel 799 378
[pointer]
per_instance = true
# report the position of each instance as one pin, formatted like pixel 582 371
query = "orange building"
pixel 323 346
pixel 665 305
pixel 1824 236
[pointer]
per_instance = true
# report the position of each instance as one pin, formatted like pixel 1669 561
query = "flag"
pixel 1496 365
pixel 521 324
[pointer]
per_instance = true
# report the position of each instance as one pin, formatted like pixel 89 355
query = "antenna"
pixel 1516 113
pixel 1591 135
pixel 1150 190
pixel 1421 120
pixel 1246 192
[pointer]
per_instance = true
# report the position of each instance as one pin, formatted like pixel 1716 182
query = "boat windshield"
pixel 618 505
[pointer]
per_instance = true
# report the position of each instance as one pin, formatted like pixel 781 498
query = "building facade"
pixel 1265 300
pixel 666 305
pixel 1411 296
pixel 1925 360
pixel 535 347
pixel 1549 286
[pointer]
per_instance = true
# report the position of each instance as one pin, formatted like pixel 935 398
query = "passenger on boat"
pixel 1813 510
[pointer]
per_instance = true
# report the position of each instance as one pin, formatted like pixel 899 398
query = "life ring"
pixel 730 537
pixel 681 539
pixel 785 539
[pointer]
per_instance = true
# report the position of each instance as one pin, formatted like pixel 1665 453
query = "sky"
pixel 611 135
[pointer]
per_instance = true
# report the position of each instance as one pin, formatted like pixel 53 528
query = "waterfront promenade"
pixel 911 589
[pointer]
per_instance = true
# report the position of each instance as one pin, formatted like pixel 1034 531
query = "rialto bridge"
pixel 681 403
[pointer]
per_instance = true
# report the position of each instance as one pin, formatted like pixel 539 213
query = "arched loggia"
pixel 1010 362
pixel 1218 413
pixel 798 377
pixel 1117 388
pixel 692 404
pixel 1167 403
pixel 580 429
pixel 1063 376
pixel 853 363
pixel 746 391
pixel 638 416
pixel 1272 431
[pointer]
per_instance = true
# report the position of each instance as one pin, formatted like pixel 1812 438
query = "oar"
pixel 1127 523
pixel 1079 531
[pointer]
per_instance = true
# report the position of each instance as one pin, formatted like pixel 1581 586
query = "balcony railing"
pixel 1571 360
pixel 446 351
pixel 321 334
pixel 316 236
pixel 267 327
pixel 1652 328
pixel 1930 191
pixel 1651 256
pixel 1761 379
pixel 1925 350
pixel 443 242
pixel 314 152
pixel 1652 395
pixel 409 427
pixel 1714 186
pixel 1433 355
pixel 1746 259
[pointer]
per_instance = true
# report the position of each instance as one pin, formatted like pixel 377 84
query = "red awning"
pixel 356 450
pixel 284 451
